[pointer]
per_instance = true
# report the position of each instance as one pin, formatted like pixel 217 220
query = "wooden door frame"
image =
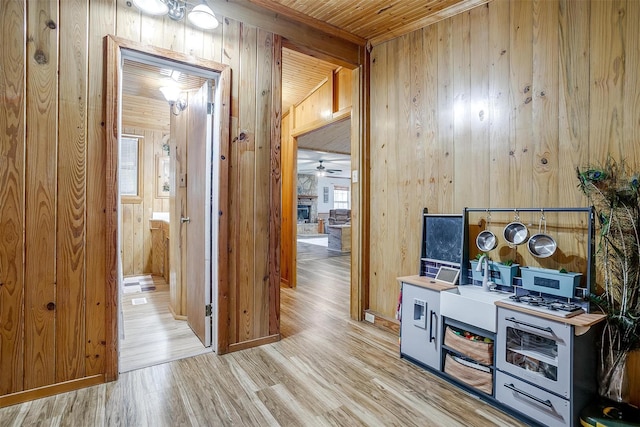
pixel 113 56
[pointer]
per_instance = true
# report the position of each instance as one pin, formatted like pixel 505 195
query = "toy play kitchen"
pixel 520 337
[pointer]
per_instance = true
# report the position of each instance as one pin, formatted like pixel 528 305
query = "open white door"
pixel 197 221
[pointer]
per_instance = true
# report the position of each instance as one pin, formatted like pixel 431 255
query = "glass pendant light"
pixel 203 17
pixel 152 7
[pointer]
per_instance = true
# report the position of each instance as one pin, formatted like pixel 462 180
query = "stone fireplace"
pixel 307 198
pixel 307 204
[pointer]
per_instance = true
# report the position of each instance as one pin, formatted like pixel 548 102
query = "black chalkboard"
pixel 442 238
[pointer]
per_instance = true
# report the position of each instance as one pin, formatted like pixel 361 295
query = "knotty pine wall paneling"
pixel 246 144
pixel 231 48
pixel 101 21
pixel 41 185
pixel 71 193
pixel 442 138
pixel 262 166
pixel 511 97
pixel 54 303
pixel 12 199
pixel 521 76
pixel 573 111
pixel 498 109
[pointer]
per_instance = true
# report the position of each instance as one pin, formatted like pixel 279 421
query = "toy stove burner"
pixel 546 305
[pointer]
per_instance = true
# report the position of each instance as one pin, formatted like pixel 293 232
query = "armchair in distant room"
pixel 339 216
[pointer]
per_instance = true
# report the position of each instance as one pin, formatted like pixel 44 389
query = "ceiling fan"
pixel 321 169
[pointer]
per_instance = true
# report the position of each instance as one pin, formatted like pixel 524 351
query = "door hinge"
pixel 210 107
pixel 207 310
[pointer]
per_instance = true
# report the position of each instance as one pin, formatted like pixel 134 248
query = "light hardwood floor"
pixel 326 370
pixel 151 334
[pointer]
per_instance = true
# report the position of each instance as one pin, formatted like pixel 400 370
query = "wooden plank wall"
pixel 12 200
pixel 53 192
pixel 149 119
pixel 496 107
pixel 315 107
pixel 330 100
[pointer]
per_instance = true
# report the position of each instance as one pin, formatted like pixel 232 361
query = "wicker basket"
pixel 479 351
pixel 473 377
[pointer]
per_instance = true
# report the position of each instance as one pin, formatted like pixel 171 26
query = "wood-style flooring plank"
pixel 151 334
pixel 327 370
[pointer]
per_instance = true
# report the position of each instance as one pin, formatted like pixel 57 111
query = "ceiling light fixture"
pixel 199 15
pixel 152 7
pixel 174 97
pixel 202 16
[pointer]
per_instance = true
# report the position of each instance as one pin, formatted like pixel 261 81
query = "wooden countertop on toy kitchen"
pixel 584 320
pixel 426 282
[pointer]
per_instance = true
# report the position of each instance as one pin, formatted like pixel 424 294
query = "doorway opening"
pixel 167 183
pixel 317 101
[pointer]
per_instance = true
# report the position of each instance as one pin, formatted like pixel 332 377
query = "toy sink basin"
pixel 472 305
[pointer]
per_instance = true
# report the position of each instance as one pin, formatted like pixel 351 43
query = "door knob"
pixel 185 219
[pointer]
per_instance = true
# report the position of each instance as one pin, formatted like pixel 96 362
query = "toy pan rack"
pixel 590 283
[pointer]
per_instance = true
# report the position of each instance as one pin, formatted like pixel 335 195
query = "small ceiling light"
pixel 203 17
pixel 152 7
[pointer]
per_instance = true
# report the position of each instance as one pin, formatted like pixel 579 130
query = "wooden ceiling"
pixel 372 21
pixel 359 21
pixel 301 74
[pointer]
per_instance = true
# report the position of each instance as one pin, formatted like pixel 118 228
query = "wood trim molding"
pixel 254 343
pixel 275 214
pixel 360 145
pixel 50 390
pixel 385 323
pixel 321 54
pixel 168 54
pixel 224 214
pixel 176 316
pixel 318 124
pixel 112 107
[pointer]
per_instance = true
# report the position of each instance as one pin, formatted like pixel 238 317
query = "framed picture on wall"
pixel 162 177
